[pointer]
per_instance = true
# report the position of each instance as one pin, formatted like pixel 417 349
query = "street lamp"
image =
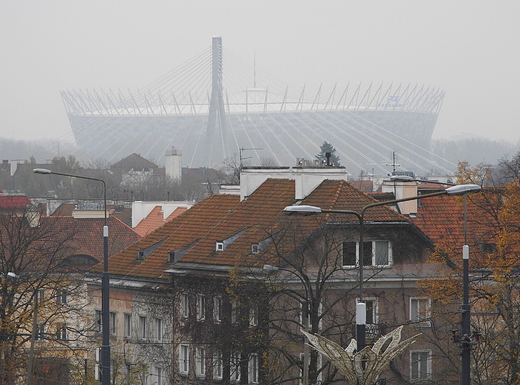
pixel 105 282
pixel 360 305
pixel 465 338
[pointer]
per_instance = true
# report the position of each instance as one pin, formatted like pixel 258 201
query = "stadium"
pixel 209 114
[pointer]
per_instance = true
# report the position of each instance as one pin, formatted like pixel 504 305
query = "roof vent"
pixel 171 256
pixel 140 254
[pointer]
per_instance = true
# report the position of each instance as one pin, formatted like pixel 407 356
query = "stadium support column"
pixel 216 129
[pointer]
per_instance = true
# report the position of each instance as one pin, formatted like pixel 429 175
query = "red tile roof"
pixel 156 219
pixel 219 217
pixel 12 201
pixel 88 235
pixel 441 218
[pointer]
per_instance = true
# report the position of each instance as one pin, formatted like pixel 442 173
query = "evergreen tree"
pixel 325 148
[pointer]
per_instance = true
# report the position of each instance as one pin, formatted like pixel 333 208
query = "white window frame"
pixel 374 256
pixel 219 246
pixel 414 365
pixel 235 367
pixel 253 315
pixel 40 332
pixel 185 305
pixel 415 312
pixel 200 361
pixel 112 323
pixel 158 375
pixel 143 327
pixel 218 365
pixel 62 332
pixel 201 307
pixel 319 365
pixel 308 326
pixel 234 312
pixel 217 309
pixel 253 368
pixel 375 309
pixel 61 297
pixel 184 359
pixel 158 329
pixel 99 321
pixel 127 325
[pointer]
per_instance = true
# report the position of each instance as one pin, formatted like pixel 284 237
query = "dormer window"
pixel 376 254
pixel 171 256
pixel 140 254
pixel 255 248
pixel 219 246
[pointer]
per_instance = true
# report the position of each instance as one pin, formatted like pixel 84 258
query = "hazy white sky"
pixel 470 49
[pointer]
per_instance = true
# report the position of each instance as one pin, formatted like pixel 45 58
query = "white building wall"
pixel 306 179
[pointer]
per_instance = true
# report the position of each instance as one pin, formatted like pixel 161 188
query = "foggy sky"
pixel 469 49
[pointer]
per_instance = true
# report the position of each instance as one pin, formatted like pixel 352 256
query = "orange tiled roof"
pixel 12 201
pixel 88 235
pixel 441 218
pixel 219 217
pixel 156 219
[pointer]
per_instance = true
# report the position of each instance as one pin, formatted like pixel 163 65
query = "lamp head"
pixel 462 189
pixel 401 178
pixel 42 171
pixel 302 210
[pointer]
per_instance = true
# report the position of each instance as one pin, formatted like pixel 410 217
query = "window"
pixel 376 253
pixel 61 297
pixel 40 332
pixel 219 246
pixel 158 330
pixel 420 365
pixel 217 309
pixel 235 367
pixel 217 365
pixel 184 359
pixel 113 323
pixel 253 315
pixel 158 376
pixel 253 369
pixel 128 326
pixel 371 309
pixel 39 295
pixel 200 361
pixel 97 366
pixel 201 307
pixel 255 248
pixel 319 365
pixel 305 314
pixel 234 312
pixel 61 332
pixel 420 311
pixel 185 307
pixel 143 332
pixel 99 320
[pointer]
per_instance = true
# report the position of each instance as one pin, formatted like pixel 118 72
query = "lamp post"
pixel 360 306
pixel 105 282
pixel 464 338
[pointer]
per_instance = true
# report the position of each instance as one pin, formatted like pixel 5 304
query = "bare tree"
pixel 35 285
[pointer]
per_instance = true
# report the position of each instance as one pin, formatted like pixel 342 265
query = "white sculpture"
pixel 365 366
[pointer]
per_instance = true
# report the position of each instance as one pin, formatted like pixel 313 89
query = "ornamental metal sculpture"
pixel 365 366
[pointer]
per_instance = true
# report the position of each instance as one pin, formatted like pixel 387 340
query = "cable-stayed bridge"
pixel 209 110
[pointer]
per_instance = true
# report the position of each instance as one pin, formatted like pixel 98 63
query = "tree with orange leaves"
pixel 495 282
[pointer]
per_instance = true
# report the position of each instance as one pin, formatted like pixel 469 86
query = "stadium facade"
pixel 194 111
